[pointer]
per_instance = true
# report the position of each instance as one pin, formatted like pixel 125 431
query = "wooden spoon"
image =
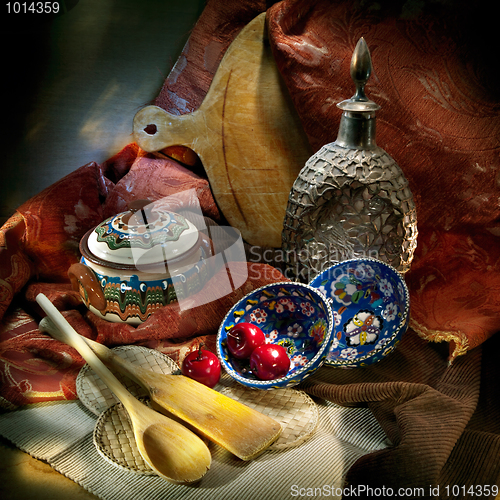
pixel 243 431
pixel 170 449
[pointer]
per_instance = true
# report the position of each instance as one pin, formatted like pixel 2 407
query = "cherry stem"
pixel 200 354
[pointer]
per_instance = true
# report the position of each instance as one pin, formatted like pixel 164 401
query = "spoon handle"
pixel 65 333
pixel 169 448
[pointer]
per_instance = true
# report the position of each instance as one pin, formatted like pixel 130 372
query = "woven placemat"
pixel 113 435
pixel 295 410
pixel 114 439
pixel 96 396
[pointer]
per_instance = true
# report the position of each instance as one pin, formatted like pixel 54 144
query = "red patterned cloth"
pixel 39 244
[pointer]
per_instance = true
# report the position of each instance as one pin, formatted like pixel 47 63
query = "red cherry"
pixel 243 338
pixel 269 362
pixel 202 366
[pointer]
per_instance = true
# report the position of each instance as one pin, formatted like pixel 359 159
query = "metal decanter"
pixel 350 199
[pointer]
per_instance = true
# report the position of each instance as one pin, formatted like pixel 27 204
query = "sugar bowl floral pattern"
pixel 139 261
pixel 370 304
pixel 152 228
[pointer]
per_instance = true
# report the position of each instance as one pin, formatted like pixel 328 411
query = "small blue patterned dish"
pixel 371 309
pixel 294 315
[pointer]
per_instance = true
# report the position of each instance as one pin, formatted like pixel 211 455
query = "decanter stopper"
pixel 361 69
pixel 350 199
pixel 357 125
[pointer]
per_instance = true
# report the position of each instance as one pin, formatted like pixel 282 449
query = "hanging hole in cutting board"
pixel 151 129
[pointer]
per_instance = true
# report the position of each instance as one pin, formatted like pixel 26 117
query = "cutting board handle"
pixel 155 129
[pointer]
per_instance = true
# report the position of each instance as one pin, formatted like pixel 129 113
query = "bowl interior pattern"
pixel 370 303
pixel 293 315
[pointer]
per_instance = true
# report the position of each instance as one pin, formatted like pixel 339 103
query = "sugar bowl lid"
pixel 142 235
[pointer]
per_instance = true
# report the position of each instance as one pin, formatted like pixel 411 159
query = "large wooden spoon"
pixel 243 431
pixel 169 448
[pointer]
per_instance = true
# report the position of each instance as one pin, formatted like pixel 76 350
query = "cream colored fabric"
pixel 61 434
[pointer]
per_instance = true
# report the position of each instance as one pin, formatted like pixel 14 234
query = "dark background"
pixel 72 83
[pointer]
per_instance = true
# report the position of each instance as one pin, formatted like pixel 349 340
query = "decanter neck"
pixel 357 125
pixel 357 130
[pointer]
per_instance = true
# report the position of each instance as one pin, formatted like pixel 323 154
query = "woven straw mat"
pixel 113 435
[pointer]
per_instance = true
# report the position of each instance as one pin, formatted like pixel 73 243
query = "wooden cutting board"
pixel 246 133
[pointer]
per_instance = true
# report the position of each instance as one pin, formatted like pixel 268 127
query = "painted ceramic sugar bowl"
pixel 139 261
pixel 293 315
pixel 371 308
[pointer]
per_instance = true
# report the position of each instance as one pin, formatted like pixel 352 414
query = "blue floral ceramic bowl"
pixel 371 309
pixel 294 315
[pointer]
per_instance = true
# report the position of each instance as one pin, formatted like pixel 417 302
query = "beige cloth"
pixel 61 434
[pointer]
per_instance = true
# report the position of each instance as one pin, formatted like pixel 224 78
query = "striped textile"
pixel 61 434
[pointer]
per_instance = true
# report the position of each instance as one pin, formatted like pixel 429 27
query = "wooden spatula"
pixel 243 431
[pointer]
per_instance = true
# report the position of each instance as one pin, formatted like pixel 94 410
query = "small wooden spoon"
pixel 170 449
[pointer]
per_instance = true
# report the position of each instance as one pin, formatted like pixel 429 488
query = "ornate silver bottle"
pixel 350 199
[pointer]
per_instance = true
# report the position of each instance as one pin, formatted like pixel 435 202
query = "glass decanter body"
pixel 351 199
